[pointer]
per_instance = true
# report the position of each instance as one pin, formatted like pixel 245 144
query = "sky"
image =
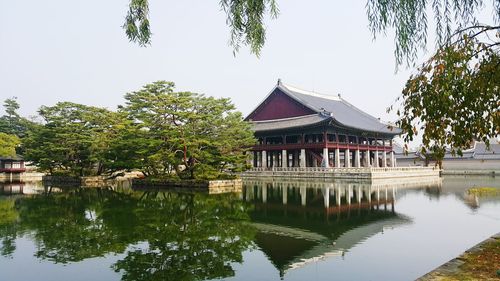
pixel 59 50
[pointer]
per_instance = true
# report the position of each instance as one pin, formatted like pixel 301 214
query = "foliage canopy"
pixel 158 131
pixel 452 92
pixel 245 18
pixel 194 135
pixel 409 19
pixel 454 98
pixel 8 144
pixel 73 139
pixel 11 122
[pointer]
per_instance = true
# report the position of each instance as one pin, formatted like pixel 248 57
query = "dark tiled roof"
pixel 478 152
pixel 342 112
pixel 15 158
pixel 294 122
pixel 482 152
pixel 399 152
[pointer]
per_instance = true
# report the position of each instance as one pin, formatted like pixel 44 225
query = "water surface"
pixel 270 231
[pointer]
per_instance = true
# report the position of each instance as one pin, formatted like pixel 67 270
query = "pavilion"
pixel 298 128
pixel 12 164
pixel 11 168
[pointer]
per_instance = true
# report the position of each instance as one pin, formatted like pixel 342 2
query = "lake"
pixel 272 230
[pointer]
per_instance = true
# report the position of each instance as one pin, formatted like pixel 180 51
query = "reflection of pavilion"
pixel 24 188
pixel 11 188
pixel 301 223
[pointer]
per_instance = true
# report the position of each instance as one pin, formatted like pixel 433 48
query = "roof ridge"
pixel 310 93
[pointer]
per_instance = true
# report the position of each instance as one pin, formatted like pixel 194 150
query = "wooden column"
pixel 326 163
pixel 347 158
pixel 337 158
pixel 356 159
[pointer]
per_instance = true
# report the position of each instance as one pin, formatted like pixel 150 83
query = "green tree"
pixel 244 17
pixel 11 106
pixel 8 144
pixel 408 18
pixel 457 31
pixel 454 99
pixel 193 135
pixel 73 140
pixel 12 123
pixel 130 148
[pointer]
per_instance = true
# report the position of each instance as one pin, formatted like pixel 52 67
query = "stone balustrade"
pixel 354 173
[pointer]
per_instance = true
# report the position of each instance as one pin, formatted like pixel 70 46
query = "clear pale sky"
pixel 60 50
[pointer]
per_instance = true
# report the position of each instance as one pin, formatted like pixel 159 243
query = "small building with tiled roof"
pixel 480 159
pixel 12 164
pixel 11 168
pixel 298 128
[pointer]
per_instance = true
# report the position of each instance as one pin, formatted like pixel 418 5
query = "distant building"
pixel 297 128
pixel 406 158
pixel 478 158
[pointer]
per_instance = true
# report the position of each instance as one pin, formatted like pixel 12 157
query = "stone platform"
pixel 344 173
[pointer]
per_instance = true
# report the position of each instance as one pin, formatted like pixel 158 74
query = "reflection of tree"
pixel 69 227
pixel 8 233
pixel 188 238
pixel 177 236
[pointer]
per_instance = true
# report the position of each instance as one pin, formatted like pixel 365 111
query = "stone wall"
pixel 225 186
pixel 211 187
pixel 459 166
pixel 342 173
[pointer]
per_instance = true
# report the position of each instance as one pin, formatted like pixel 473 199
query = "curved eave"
pixel 290 123
pixel 312 121
pixel 396 131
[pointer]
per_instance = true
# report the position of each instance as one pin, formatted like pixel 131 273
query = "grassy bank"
pixel 484 191
pixel 479 263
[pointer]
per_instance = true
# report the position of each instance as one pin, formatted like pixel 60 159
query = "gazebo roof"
pixel 14 158
pixel 325 107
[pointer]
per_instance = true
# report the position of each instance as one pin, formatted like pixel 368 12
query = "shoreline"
pixel 459 267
